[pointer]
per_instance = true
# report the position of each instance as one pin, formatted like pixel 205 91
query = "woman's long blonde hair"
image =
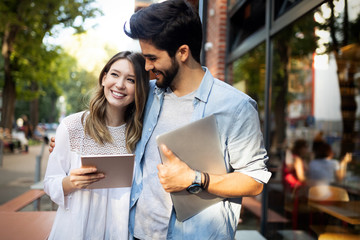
pixel 95 123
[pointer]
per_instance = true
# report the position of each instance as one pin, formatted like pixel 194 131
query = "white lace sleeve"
pixel 58 166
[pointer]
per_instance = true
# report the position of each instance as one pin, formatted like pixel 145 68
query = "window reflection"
pixel 248 75
pixel 247 20
pixel 315 94
pixel 281 6
pixel 315 90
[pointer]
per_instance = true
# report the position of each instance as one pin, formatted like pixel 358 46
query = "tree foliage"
pixel 295 42
pixel 345 45
pixel 77 90
pixel 57 67
pixel 26 60
pixel 250 69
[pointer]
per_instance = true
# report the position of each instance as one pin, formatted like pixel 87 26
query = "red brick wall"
pixel 216 34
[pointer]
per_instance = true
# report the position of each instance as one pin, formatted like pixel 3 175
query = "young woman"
pixel 112 125
pixel 295 168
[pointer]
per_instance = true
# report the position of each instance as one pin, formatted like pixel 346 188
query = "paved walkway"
pixel 17 172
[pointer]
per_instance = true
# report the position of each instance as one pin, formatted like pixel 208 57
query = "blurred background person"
pixel 318 140
pixel 7 139
pixel 324 169
pixel 27 128
pixel 295 166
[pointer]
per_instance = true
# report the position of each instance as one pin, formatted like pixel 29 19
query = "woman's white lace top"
pixel 85 214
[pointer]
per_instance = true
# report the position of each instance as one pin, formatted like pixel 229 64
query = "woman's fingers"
pixel 82 177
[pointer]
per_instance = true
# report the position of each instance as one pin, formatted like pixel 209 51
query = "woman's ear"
pixel 103 79
pixel 183 52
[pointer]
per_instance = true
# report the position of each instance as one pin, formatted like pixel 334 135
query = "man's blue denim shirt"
pixel 242 144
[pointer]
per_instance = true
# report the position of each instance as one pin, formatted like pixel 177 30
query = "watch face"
pixel 194 188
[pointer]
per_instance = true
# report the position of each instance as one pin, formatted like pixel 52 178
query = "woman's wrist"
pixel 67 185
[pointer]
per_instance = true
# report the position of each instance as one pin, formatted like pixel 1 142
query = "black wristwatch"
pixel 195 187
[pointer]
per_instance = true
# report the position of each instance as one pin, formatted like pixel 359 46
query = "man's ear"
pixel 184 52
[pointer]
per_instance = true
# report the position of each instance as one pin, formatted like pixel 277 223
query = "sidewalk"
pixel 17 173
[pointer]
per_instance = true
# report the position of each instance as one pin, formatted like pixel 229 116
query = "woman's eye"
pixel 131 80
pixel 114 74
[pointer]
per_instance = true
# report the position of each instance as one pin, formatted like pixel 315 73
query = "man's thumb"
pixel 167 152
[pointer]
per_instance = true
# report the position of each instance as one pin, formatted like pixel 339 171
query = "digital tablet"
pixel 118 169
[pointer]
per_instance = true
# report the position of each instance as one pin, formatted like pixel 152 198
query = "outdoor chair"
pixel 323 194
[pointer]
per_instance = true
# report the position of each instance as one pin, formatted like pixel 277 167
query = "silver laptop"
pixel 198 145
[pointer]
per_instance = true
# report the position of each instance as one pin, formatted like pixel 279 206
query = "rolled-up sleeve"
pixel 246 145
pixel 58 167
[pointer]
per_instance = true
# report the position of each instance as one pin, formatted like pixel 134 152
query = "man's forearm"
pixel 233 185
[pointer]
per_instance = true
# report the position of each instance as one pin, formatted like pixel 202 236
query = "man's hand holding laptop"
pixel 174 174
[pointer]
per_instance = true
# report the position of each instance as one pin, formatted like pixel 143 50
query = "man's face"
pixel 160 63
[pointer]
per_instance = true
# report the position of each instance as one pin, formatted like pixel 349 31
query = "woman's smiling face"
pixel 119 85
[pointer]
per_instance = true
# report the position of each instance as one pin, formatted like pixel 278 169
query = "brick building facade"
pixel 215 46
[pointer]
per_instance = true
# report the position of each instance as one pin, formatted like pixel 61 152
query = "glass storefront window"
pixel 246 21
pixel 248 75
pixel 232 3
pixel 315 97
pixel 282 6
pixel 315 111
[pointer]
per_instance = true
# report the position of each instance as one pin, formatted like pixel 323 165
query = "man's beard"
pixel 169 75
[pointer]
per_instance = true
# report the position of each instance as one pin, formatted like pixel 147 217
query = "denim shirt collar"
pixel 203 91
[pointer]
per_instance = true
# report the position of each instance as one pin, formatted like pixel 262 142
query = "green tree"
pixel 251 69
pixel 23 25
pixel 57 67
pixel 80 88
pixel 297 41
pixel 77 91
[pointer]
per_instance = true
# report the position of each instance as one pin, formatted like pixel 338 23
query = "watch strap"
pixel 206 181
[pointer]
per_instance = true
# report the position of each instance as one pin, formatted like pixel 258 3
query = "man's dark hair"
pixel 168 25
